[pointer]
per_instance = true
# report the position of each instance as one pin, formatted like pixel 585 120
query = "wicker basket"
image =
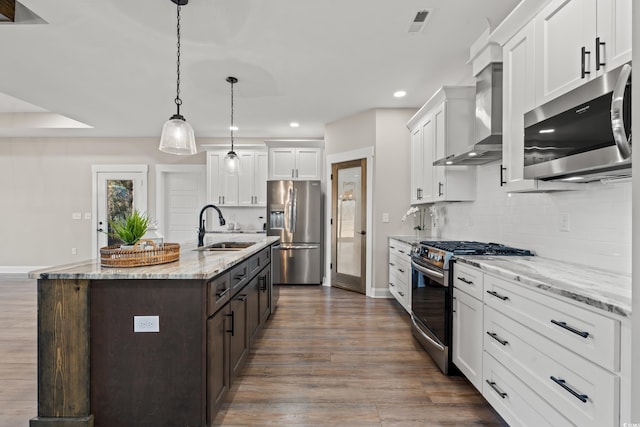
pixel 147 254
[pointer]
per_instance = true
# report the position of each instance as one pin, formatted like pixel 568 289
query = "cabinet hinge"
pixel 331 178
pixel 330 266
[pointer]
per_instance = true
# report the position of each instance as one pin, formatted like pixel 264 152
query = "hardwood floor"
pixel 333 357
pixel 327 357
pixel 18 352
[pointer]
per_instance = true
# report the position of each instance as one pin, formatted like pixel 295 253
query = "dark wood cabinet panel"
pixel 218 339
pixel 253 308
pixel 264 292
pixel 239 347
pixel 150 378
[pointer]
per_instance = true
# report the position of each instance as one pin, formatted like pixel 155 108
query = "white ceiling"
pixel 110 64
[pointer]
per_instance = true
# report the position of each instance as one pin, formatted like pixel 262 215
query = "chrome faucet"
pixel 201 229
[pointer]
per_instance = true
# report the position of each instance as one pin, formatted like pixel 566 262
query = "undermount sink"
pixel 226 246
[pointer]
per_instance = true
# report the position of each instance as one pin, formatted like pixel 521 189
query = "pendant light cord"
pixel 231 115
pixel 178 101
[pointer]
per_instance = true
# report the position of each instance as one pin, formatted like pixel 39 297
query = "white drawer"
pixel 398 283
pixel 514 401
pixel 400 291
pixel 400 265
pixel 400 249
pixel 468 279
pixel 588 394
pixel 584 332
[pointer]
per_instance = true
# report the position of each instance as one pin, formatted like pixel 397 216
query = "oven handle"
pixel 425 336
pixel 429 272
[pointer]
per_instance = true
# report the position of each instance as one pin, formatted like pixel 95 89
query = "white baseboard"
pixel 18 272
pixel 381 293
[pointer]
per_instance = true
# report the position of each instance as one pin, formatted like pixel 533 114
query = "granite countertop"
pixel 413 240
pixel 191 265
pixel 598 288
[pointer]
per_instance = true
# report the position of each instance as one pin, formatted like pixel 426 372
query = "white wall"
pixel 44 180
pixel 385 130
pixel 599 220
pixel 635 354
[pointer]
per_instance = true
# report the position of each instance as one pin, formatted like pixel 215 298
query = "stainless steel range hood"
pixel 488 129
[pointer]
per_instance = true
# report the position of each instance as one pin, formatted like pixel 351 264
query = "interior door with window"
pixel 118 193
pixel 348 233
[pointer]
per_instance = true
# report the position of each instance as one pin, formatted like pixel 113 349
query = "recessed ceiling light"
pixel 294 124
pixel 473 153
pixel 546 130
pixel 399 94
pixel 448 162
pixel 233 127
pixel 573 178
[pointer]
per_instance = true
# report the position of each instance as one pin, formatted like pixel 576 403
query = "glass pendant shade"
pixel 232 163
pixel 177 137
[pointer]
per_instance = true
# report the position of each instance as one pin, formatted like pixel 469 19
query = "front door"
pixel 348 232
pixel 117 194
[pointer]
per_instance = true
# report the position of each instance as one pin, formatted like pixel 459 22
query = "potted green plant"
pixel 129 229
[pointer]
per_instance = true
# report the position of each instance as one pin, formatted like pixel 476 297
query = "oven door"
pixel 430 309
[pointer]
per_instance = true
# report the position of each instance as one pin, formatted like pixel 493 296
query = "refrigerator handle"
pixel 295 210
pixel 289 215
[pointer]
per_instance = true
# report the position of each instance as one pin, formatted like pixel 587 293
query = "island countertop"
pixel 192 264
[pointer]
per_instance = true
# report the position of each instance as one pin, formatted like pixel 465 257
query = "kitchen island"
pixel 149 346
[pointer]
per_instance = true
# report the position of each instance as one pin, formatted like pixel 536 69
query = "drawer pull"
pixel 223 293
pixel 400 270
pixel 468 282
pixel 401 293
pixel 242 298
pixel 495 388
pixel 401 251
pixel 391 284
pixel 569 328
pixel 562 383
pixel 239 277
pixel 497 295
pixel 495 337
pixel 392 264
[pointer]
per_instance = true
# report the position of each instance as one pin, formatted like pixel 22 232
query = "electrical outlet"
pixel 87 215
pixel 74 251
pixel 564 222
pixel 146 323
pixel 385 217
pixel 76 215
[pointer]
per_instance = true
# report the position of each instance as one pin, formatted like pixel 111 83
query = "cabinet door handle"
pixel 440 191
pixel 293 175
pixel 569 328
pixel 562 383
pixel 599 45
pixel 502 171
pixel 468 282
pixel 297 173
pixel 584 71
pixel 495 337
pixel 232 323
pixel 263 283
pixel 495 388
pixel 223 293
pixel 497 295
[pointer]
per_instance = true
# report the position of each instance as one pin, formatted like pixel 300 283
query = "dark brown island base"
pixel 149 346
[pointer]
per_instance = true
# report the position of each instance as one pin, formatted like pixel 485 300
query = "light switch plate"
pixel 385 217
pixel 146 323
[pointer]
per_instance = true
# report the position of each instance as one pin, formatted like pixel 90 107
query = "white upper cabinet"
pixel 297 163
pixel 248 188
pixel 448 116
pixel 578 40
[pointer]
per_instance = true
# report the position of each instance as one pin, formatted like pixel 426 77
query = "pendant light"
pixel 231 160
pixel 177 135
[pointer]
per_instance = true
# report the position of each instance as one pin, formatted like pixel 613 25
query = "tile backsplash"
pixel 598 218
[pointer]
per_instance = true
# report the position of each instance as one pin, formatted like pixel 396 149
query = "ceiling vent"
pixel 418 21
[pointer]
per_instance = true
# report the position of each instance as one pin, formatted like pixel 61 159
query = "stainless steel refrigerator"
pixel 294 213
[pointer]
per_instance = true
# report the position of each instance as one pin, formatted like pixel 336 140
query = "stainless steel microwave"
pixel 584 135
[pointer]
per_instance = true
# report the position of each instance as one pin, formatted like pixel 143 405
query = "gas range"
pixel 438 253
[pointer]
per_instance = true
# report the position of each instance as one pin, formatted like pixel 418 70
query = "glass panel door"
pixel 349 225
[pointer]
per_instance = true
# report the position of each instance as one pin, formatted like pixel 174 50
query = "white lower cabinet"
pixel 400 272
pixel 467 336
pixel 538 359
